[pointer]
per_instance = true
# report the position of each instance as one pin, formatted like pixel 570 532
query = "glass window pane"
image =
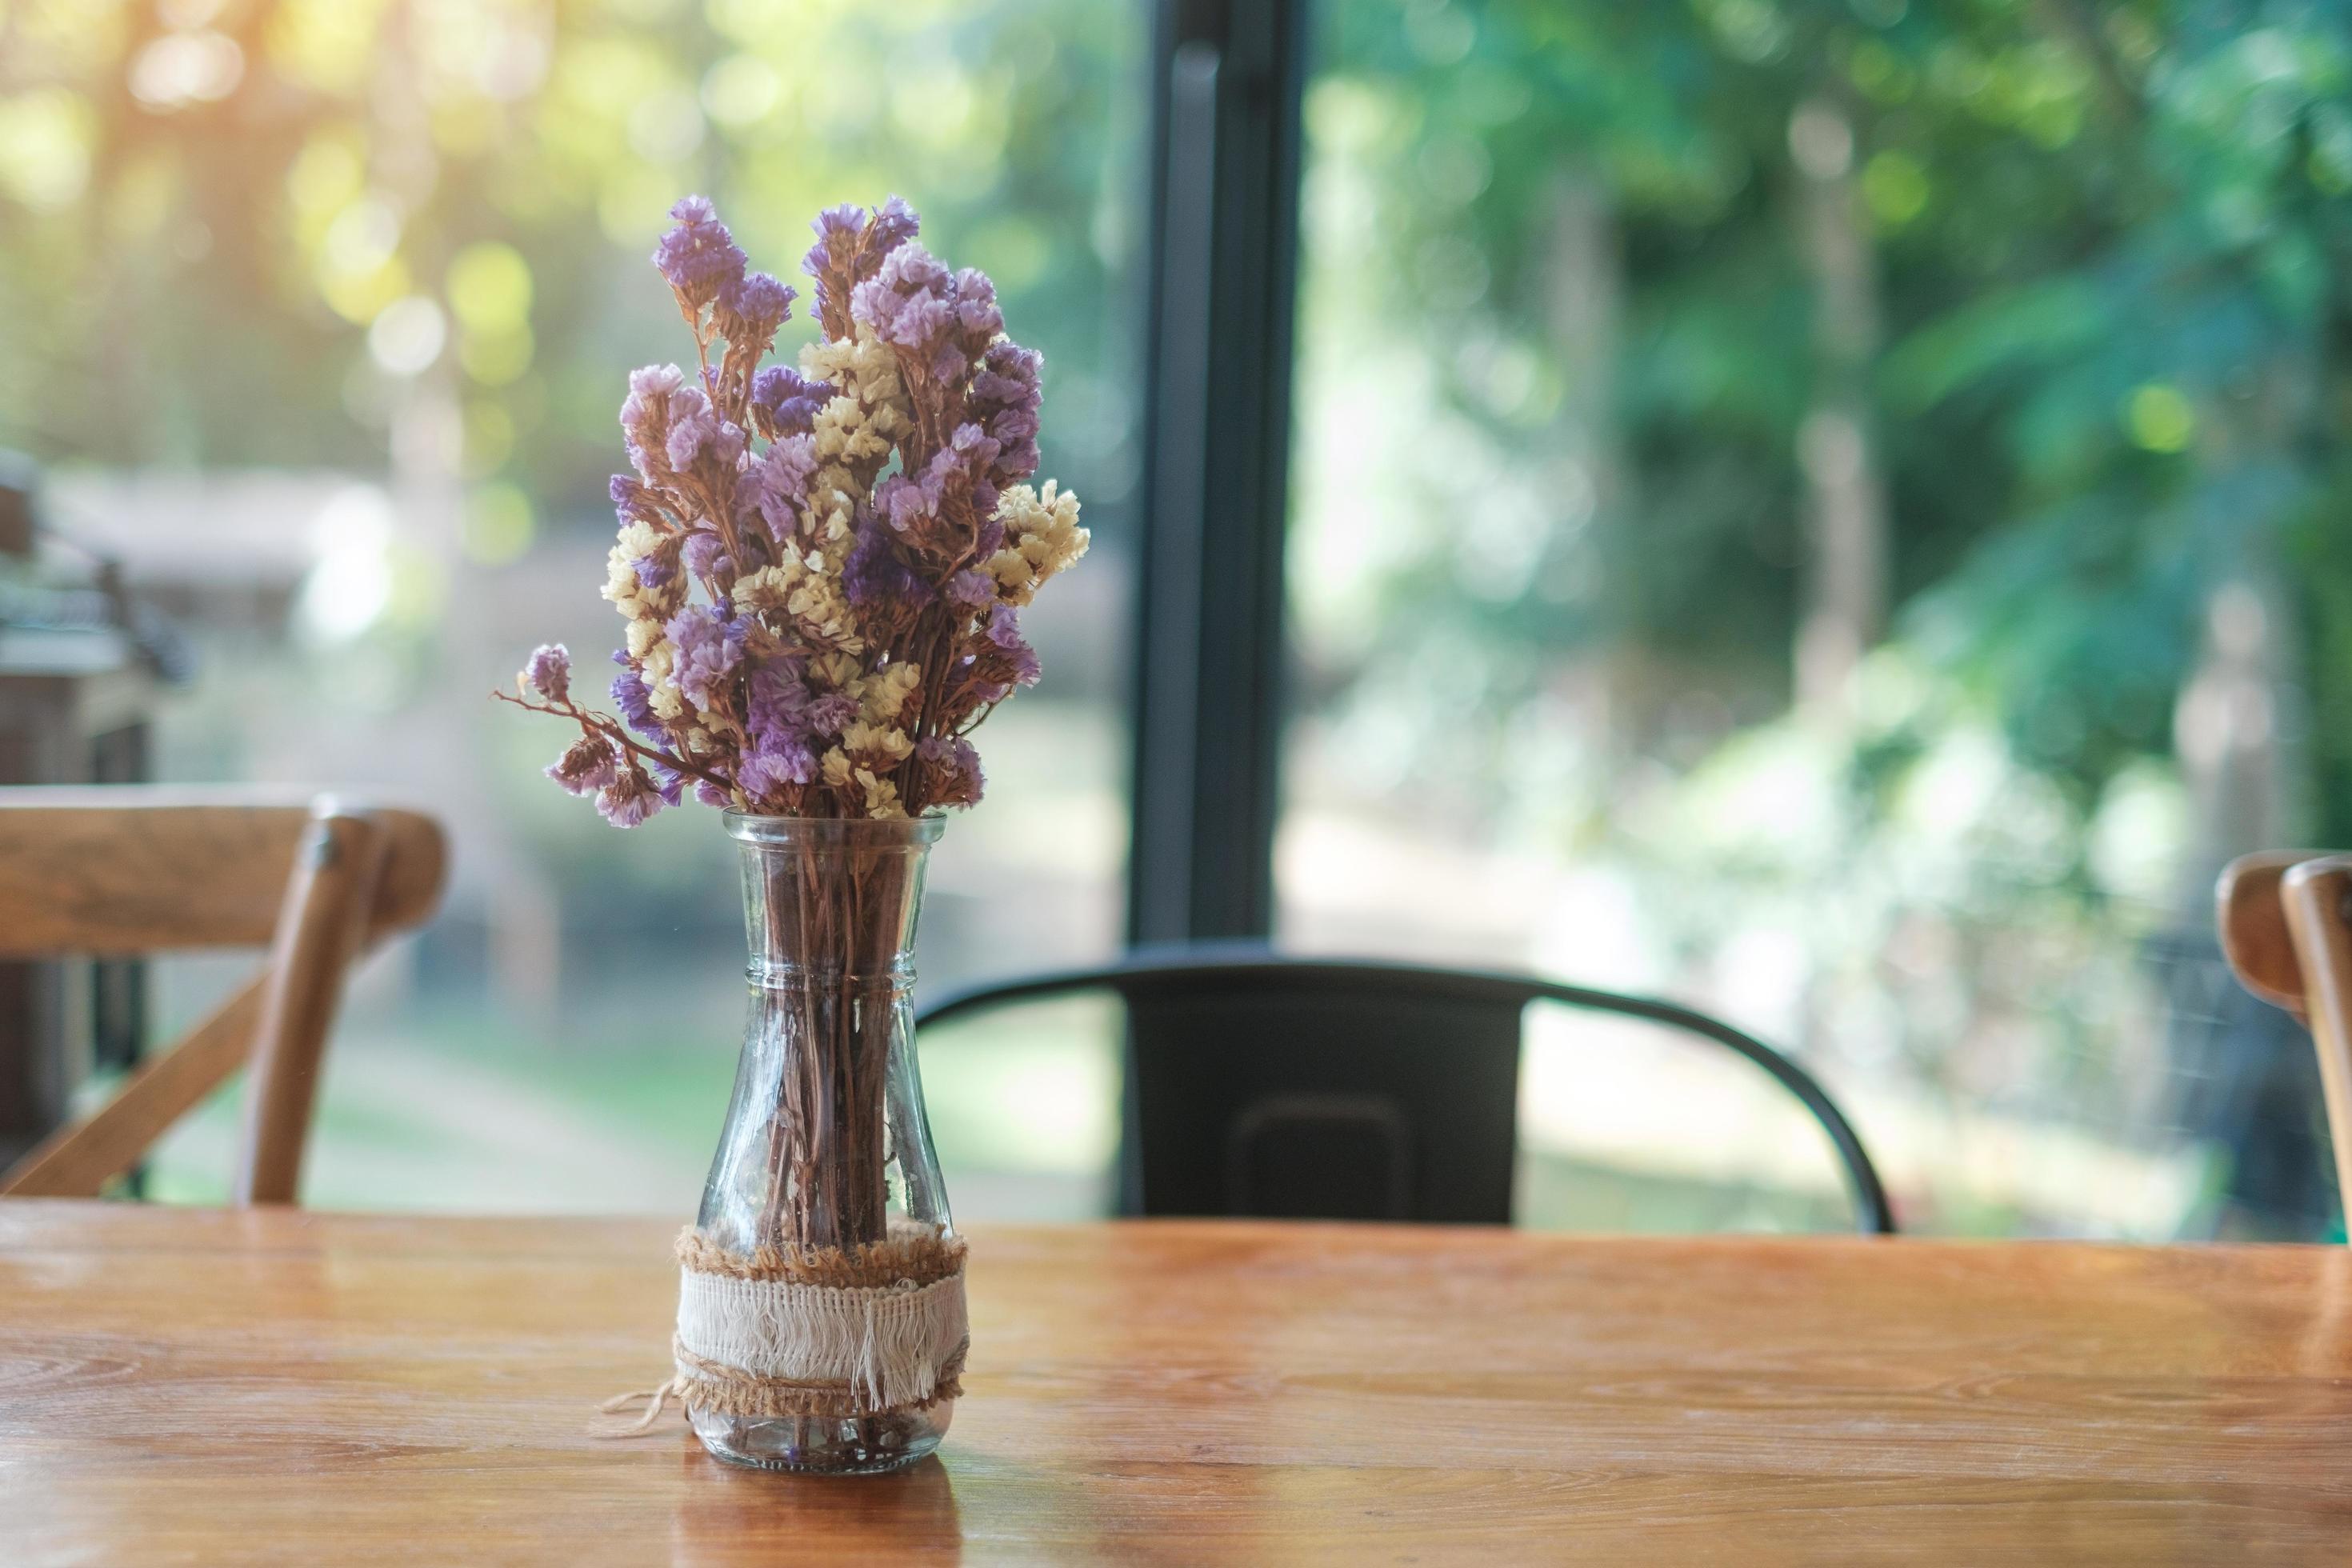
pixel 1818 512
pixel 323 321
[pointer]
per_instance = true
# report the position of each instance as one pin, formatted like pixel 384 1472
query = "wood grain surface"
pixel 269 1385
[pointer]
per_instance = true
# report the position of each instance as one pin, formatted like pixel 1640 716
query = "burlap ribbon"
pixel 878 1330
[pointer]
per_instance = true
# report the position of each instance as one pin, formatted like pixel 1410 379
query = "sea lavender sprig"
pixel 821 569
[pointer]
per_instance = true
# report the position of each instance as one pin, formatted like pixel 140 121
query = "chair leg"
pixel 321 928
pixel 2314 894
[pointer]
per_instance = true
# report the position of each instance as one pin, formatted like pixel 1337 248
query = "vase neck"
pixel 834 909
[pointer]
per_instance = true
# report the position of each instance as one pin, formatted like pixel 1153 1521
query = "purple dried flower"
pixel 776 485
pixel 1005 631
pixel 586 765
pixel 954 767
pixel 1005 397
pixel 692 422
pixel 838 230
pixel 977 314
pixel 632 501
pixel 903 503
pixel 969 451
pixel 549 673
pixel 909 302
pixel 875 572
pixel 654 571
pixel 783 753
pixel 706 556
pixel 699 257
pixel 775 762
pixel 696 427
pixel 972 588
pixel 849 246
pixel 894 226
pixel 629 798
pixel 782 750
pixel 644 415
pixel 709 649
pixel 832 714
pixel 786 402
pixel 750 309
pixel 629 695
pixel 668 782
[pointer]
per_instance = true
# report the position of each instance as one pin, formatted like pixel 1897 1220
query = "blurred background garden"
pixel 1827 510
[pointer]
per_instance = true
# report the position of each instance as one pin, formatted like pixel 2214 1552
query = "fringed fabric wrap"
pixel 872 1332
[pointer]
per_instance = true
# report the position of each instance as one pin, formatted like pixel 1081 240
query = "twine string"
pixel 657 1400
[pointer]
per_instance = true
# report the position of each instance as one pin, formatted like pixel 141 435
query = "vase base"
pixel 863 1446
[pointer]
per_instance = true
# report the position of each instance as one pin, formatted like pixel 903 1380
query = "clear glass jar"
pixel 826 1145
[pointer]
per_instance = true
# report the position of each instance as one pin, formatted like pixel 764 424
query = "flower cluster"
pixel 821 569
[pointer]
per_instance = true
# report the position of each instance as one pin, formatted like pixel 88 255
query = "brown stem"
pixel 612 731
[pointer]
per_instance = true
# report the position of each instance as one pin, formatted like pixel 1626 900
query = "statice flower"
pixel 878 573
pixel 832 714
pixel 953 767
pixel 909 502
pixel 644 415
pixel 913 303
pixel 1005 631
pixel 852 242
pixel 630 797
pixel 783 753
pixel 1005 397
pixel 549 673
pixel 586 765
pixel 632 500
pixel 785 402
pixel 776 486
pixel 699 257
pixel 636 703
pixel 705 555
pixel 840 230
pixel 696 427
pixel 977 317
pixel 750 309
pixel 895 224
pixel 708 650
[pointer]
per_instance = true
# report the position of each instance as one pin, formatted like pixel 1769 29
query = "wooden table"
pixel 179 1386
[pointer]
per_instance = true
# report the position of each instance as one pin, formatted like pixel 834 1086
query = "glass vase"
pixel 826 1153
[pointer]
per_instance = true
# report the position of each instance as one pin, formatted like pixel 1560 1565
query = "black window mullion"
pixel 1227 79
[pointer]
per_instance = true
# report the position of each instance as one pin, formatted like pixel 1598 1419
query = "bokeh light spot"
pixel 2159 418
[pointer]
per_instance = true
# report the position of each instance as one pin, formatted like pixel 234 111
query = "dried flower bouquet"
pixel 821 569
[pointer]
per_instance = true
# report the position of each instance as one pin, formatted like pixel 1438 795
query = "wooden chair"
pixel 2285 917
pixel 121 871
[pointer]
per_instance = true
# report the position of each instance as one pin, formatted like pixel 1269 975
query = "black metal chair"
pixel 1330 1088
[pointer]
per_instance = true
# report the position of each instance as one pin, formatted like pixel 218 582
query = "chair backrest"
pixel 2285 917
pixel 1296 1087
pixel 115 872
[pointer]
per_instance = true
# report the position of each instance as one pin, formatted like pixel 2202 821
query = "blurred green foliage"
pixel 2109 250
pixel 216 208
